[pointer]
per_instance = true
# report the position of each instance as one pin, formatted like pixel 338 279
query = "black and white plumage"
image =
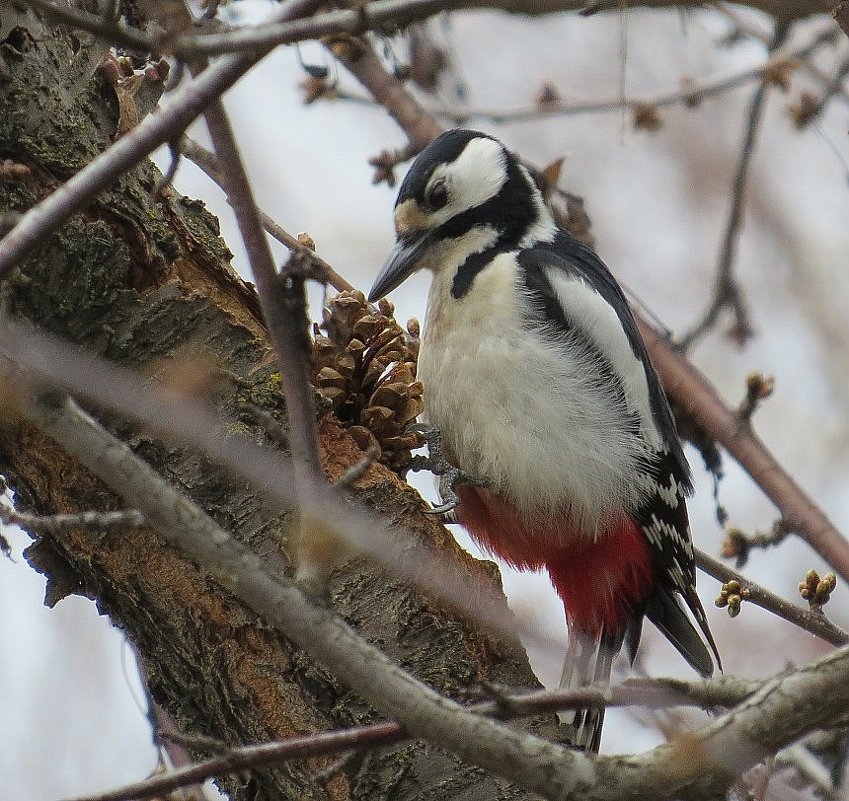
pixel 537 377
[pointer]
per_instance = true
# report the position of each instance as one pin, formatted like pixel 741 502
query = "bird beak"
pixel 403 261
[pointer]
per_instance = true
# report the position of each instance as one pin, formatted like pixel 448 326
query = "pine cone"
pixel 365 365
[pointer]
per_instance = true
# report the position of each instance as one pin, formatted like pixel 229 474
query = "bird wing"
pixel 585 308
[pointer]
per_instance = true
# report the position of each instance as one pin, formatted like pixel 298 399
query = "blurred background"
pixel 72 711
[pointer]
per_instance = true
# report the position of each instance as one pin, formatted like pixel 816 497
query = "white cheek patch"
pixel 474 177
pixel 597 319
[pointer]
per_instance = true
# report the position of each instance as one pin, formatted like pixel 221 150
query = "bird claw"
pixel 449 475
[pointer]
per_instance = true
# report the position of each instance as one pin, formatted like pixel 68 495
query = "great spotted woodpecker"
pixel 537 378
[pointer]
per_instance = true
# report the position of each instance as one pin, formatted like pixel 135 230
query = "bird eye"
pixel 437 196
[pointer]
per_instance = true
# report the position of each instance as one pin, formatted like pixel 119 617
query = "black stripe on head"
pixel 442 150
pixel 511 213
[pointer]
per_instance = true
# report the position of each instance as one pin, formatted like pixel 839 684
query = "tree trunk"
pixel 139 280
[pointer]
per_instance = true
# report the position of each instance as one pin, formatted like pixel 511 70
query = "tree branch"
pixel 819 625
pixel 727 290
pixel 52 524
pixel 206 160
pixel 177 111
pixel 654 694
pixel 691 95
pixel 283 302
pixel 113 31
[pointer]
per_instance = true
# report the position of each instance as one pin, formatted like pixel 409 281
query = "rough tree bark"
pixel 139 279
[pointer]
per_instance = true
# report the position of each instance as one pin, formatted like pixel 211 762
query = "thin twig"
pixel 738 545
pixel 267 422
pixel 172 755
pixel 178 110
pixel 811 769
pixel 835 87
pixel 56 524
pixel 816 624
pixel 377 15
pixel 197 742
pixel 690 95
pixel 744 27
pixel 654 694
pixel 356 471
pixel 758 388
pixel 206 160
pixel 727 291
pixel 283 318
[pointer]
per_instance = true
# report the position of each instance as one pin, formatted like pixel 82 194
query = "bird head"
pixel 464 193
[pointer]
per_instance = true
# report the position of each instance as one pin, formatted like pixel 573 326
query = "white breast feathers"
pixel 526 409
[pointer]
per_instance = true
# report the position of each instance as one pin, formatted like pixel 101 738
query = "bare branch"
pixel 654 694
pixel 179 108
pixel 53 524
pixel 283 303
pixel 727 291
pixel 385 15
pixel 206 160
pixel 694 395
pixel 376 15
pixel 690 94
pixel 417 123
pixel 816 624
pixel 114 32
pixel 826 79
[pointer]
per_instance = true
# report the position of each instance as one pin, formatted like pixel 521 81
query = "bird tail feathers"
pixel 667 613
pixel 588 661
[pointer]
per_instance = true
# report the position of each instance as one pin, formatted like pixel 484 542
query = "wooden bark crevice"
pixel 139 279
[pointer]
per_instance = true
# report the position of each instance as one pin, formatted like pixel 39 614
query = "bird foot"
pixel 437 463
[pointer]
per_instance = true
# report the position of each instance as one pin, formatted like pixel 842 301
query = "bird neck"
pixel 518 215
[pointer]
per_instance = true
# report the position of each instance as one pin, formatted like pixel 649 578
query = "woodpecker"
pixel 536 376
